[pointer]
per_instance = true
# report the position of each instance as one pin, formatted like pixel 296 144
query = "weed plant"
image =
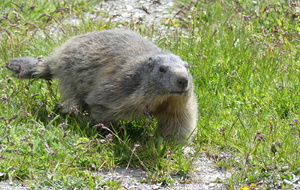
pixel 245 62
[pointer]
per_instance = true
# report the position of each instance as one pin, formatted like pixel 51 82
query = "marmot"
pixel 119 75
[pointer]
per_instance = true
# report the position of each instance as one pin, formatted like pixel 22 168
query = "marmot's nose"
pixel 182 83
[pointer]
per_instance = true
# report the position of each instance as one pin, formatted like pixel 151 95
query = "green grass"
pixel 245 58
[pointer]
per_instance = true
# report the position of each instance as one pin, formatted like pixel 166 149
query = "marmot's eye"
pixel 163 69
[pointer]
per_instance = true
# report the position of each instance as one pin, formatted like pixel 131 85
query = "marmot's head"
pixel 168 74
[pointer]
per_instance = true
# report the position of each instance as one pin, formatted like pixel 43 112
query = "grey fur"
pixel 119 75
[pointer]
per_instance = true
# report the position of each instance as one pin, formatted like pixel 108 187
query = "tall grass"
pixel 245 62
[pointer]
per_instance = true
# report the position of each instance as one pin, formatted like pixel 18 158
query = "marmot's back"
pixel 86 59
pixel 97 49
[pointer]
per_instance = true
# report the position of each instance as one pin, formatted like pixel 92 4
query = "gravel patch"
pixel 154 14
pixel 204 176
pixel 5 185
pixel 148 12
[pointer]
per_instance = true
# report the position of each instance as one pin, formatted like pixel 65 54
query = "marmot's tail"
pixel 28 67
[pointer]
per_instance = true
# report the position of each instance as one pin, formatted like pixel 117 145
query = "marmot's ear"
pixel 186 65
pixel 150 63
